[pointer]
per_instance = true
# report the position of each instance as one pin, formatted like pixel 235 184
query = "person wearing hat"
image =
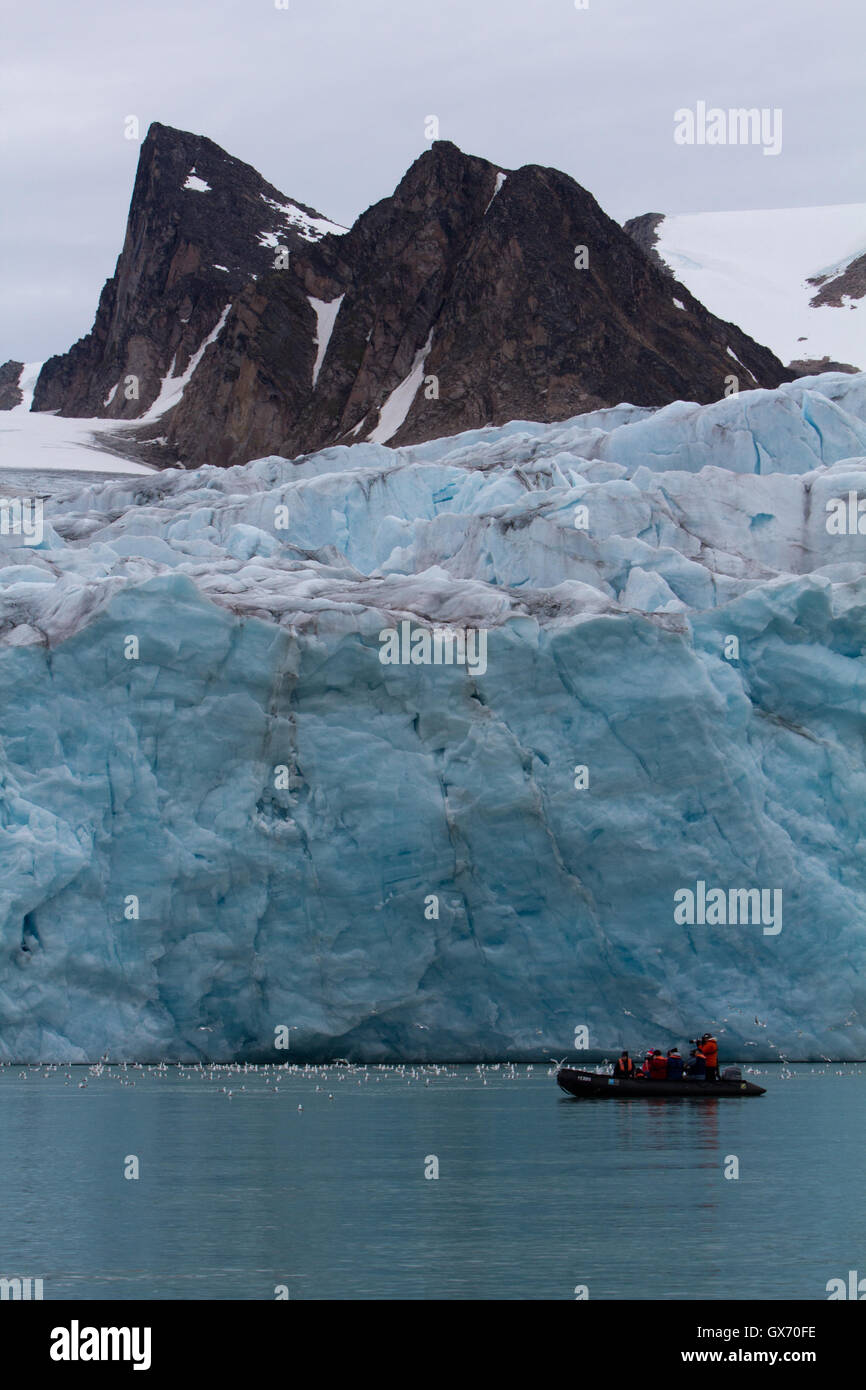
pixel 675 1065
pixel 697 1069
pixel 658 1067
pixel 710 1049
pixel 624 1067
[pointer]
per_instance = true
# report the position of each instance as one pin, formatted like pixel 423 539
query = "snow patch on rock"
pixel 172 387
pixel 395 409
pixel 326 312
pixel 195 183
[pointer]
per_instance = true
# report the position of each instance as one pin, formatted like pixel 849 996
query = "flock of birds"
pixel 251 1077
pixel 232 1079
pixel 259 1077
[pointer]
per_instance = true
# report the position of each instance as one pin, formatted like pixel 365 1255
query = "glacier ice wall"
pixel 283 806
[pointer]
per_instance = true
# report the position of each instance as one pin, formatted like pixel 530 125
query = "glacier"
pixel 221 815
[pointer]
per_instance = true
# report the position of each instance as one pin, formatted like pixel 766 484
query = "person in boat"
pixel 697 1070
pixel 624 1067
pixel 645 1066
pixel 658 1067
pixel 710 1049
pixel 675 1064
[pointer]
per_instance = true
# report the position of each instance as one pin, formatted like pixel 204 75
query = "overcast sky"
pixel 328 98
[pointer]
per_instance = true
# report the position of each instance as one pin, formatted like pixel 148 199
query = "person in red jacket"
pixel 710 1049
pixel 658 1066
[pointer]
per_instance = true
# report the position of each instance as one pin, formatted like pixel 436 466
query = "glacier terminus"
pixel 223 814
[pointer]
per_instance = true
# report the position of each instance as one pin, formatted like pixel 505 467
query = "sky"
pixel 329 100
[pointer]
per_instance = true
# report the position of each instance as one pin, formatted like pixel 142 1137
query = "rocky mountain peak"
pixel 201 225
pixel 10 391
pixel 472 295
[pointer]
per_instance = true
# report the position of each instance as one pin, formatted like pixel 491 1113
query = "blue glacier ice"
pixel 252 823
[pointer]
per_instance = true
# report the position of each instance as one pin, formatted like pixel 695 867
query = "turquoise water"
pixel 536 1193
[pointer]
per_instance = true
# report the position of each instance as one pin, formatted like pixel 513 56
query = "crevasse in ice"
pixel 253 823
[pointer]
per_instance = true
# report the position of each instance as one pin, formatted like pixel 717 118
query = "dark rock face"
pixel 10 375
pixel 814 366
pixel 394 269
pixel 644 230
pixel 193 240
pixel 484 296
pixel 850 282
pixel 485 272
pixel 526 334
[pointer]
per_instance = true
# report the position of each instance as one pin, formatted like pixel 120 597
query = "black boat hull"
pixel 590 1085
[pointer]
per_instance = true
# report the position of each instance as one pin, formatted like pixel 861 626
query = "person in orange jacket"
pixel 710 1049
pixel 624 1067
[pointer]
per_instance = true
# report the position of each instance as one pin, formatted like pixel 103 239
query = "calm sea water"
pixel 536 1193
